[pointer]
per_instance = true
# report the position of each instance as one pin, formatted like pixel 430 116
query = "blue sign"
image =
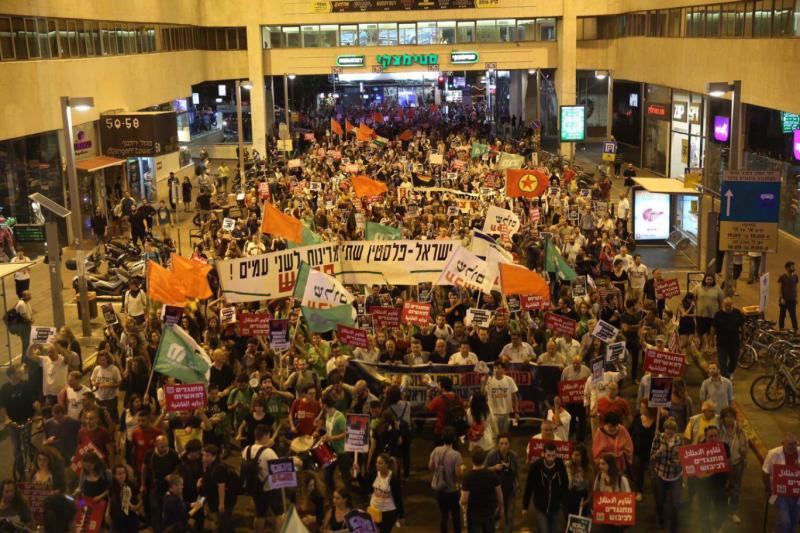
pixel 750 201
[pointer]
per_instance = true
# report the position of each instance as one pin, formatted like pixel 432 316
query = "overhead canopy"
pixel 665 185
pixel 7 269
pixel 98 163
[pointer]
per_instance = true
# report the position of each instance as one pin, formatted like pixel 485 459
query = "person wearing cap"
pixel 717 388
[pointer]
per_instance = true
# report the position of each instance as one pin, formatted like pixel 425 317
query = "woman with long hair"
pixel 94 481
pixel 609 478
pixel 642 430
pixel 12 504
pixel 135 376
pixel 580 479
pixel 335 517
pixel 49 468
pixel 386 495
pixel 124 506
pixel 480 433
pixel 153 340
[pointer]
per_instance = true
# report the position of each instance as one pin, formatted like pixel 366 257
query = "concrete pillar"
pixel 255 69
pixel 518 85
pixel 566 32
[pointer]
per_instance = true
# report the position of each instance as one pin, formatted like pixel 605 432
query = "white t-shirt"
pixel 104 376
pixel 637 275
pixel 517 355
pixel 135 305
pixel 25 273
pixel 623 208
pixel 268 455
pixel 54 374
pixel 561 430
pixel 500 393
pixel 382 498
pixel 74 401
pixel 458 359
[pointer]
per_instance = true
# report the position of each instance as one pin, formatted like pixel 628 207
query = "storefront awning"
pixel 98 163
pixel 664 185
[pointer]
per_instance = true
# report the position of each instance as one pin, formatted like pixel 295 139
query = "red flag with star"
pixel 525 183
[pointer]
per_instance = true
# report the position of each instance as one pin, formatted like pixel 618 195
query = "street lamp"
pixel 247 85
pixel 601 74
pixel 67 104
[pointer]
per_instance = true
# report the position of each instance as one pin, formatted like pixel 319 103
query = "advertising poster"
pixel 666 363
pixel 279 334
pixel 572 391
pixel 785 480
pixel 357 433
pixel 560 324
pixel 651 212
pixel 185 397
pixel 660 394
pixel 700 460
pixel 254 324
pixel 281 473
pixel 614 508
pixel 353 336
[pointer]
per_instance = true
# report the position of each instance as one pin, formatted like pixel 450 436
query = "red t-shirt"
pixel 100 437
pixel 304 413
pixel 144 440
pixel 438 406
pixel 606 405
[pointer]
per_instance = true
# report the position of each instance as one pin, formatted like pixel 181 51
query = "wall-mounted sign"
pixel 694 114
pixel 796 145
pixel 463 58
pixel 658 110
pixel 722 128
pixel 350 6
pixel 83 137
pixel 573 123
pixel 139 134
pixel 679 111
pixel 789 122
pixel 633 100
pixel 406 60
pixel 350 61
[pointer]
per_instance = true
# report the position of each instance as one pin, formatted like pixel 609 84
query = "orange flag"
pixel 164 286
pixel 348 127
pixel 277 223
pixel 406 135
pixel 518 280
pixel 377 118
pixel 336 127
pixel 364 132
pixel 193 275
pixel 365 186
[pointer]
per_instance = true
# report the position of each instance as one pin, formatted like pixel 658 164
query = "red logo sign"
pixel 571 391
pixel 536 449
pixel 667 288
pixel 786 480
pixel 385 317
pixel 254 324
pixel 560 324
pixel 704 459
pixel 657 110
pixel 416 313
pixel 666 363
pixel 185 397
pixel 353 336
pixel 615 508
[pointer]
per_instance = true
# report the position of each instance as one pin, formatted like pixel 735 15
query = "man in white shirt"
pixel 560 418
pixel 442 329
pixel 567 346
pixel 623 208
pixel 71 396
pixel 637 274
pixel 261 452
pixel 517 351
pixel 54 369
pixel 25 312
pixel 463 356
pixel 551 356
pixel 577 371
pixel 135 302
pixel 503 396
pixel 624 256
pixel 22 278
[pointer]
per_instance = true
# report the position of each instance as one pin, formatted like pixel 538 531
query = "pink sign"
pixel 416 313
pixel 353 336
pixel 796 145
pixel 704 459
pixel 665 363
pixel 185 397
pixel 722 128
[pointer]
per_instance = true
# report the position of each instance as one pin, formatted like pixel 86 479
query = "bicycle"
pixel 771 391
pixel 25 453
pixel 759 340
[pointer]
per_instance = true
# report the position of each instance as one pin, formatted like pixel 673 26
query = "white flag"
pixel 501 221
pixel 321 291
pixel 465 269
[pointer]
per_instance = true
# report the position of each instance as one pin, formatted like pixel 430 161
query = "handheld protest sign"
pixel 605 331
pixel 43 334
pixel 615 351
pixel 614 508
pixel 704 459
pixel 660 394
pixel 663 362
pixel 185 397
pixel 281 473
pixel 357 433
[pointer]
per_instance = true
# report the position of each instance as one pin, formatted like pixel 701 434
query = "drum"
pixel 323 454
pixel 302 444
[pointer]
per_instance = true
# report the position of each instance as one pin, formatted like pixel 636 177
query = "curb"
pixel 756 444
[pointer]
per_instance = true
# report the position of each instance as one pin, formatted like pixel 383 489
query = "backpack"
pixel 455 415
pixel 439 481
pixel 248 479
pixel 476 431
pixel 12 317
pixel 402 427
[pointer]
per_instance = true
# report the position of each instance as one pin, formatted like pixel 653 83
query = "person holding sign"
pixel 667 479
pixel 787 506
pixel 387 494
pixel 711 489
pixel 609 478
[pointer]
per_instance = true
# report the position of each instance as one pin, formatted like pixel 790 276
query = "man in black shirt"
pixel 221 373
pixel 17 405
pixel 216 477
pixel 204 200
pixel 631 321
pixel 482 345
pixel 161 462
pixel 788 299
pixel 728 323
pixel 456 311
pixel 482 495
pixel 138 222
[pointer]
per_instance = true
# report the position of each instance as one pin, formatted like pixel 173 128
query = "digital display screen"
pixel 651 215
pixel 633 100
pixel 689 218
pixel 789 122
pixel 573 123
pixel 722 128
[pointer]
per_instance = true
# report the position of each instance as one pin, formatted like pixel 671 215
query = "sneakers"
pixel 735 519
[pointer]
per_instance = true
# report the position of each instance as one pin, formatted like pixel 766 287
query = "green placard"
pixel 349 61
pixel 573 123
pixel 464 58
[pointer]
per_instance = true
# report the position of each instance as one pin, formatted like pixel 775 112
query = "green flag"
pixel 181 357
pixel 309 238
pixel 507 160
pixel 478 150
pixel 322 320
pixel 381 141
pixel 382 232
pixel 554 262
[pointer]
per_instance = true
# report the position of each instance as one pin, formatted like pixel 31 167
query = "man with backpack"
pixel 220 486
pixel 253 475
pixel 446 463
pixel 449 409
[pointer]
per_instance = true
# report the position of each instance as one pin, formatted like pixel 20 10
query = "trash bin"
pixel 92 297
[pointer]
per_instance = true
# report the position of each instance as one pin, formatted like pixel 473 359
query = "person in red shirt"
pixel 144 436
pixel 304 412
pixel 614 402
pixel 441 405
pixel 99 436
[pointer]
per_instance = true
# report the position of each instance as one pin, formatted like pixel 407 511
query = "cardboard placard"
pixel 416 313
pixel 263 190
pixel 34 494
pixel 353 336
pixel 605 331
pixel 295 163
pixel 560 324
pixel 666 363
pixel 281 473
pixel 479 318
pixel 533 302
pixel 385 317
pixel 704 459
pixel 315 186
pixel 228 224
pixel 109 315
pixel 453 211
pixel 571 391
pixel 660 394
pixel 357 433
pixel 227 315
pixel 667 288
pixel 535 214
pixel 279 334
pixel 615 351
pixel 579 287
pixel 785 480
pixel 360 522
pixel 579 524
pixel 185 397
pixel 43 334
pixel 254 324
pixel 90 516
pixel 598 370
pixel 424 292
pixel 614 508
pixel 536 449
pixel 412 210
pixel 171 314
pixel 436 159
pixel 514 304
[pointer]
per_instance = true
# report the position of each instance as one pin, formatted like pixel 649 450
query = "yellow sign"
pixel 691 180
pixel 487 3
pixel 321 6
pixel 747 236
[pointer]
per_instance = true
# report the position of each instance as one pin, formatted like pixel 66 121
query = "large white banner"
pixel 465 269
pixel 501 221
pixel 270 276
pixel 324 291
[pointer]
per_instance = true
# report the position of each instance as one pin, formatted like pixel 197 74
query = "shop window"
pixel 310 36
pixel 674 23
pixel 271 36
pixel 348 35
pixel 387 34
pixel 368 34
pixel 762 19
pixel 291 36
pixel 407 33
pixel 329 35
pixel 546 29
pixel 783 18
pixel 487 31
pixel 587 28
pixel 447 31
pixel 506 29
pixel 426 33
pixel 526 30
pixel 466 31
pixel 712 21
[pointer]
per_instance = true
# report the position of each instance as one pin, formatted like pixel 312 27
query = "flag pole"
pixel 146 398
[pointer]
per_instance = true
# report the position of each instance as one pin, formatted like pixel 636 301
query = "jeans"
pixel 449 507
pixel 790 307
pixel 755 266
pixel 480 524
pixel 788 514
pixel 728 355
pixel 546 522
pixel 501 423
pixel 672 490
pixel 735 486
pixel 388 518
pixel 344 463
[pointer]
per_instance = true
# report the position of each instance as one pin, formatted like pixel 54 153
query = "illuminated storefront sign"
pixel 406 60
pixel 658 110
pixel 463 58
pixel 573 123
pixel 350 61
pixel 722 126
